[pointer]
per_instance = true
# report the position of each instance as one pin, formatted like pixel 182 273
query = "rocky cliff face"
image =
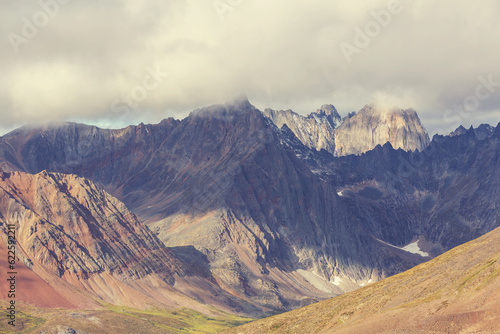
pixel 373 126
pixel 76 230
pixel 316 131
pixel 358 132
pixel 274 222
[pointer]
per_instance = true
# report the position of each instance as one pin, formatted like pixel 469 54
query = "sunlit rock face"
pixel 356 133
pixel 373 126
pixel 316 131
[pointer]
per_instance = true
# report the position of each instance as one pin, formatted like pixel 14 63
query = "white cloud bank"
pixel 93 60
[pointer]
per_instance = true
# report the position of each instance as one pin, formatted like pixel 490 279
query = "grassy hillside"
pixel 457 292
pixel 116 319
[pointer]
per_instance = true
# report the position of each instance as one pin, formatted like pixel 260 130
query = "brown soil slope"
pixel 30 287
pixel 457 292
pixel 76 239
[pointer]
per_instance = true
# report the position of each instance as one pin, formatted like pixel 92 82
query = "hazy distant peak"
pixel 458 131
pixel 481 132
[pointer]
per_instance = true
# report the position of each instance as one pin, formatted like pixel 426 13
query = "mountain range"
pixel 251 212
pixel 356 133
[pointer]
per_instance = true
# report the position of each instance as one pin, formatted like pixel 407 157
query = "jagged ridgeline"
pixel 265 211
pixel 356 133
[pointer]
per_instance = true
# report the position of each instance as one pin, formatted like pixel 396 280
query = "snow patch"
pixel 410 248
pixel 340 193
pixel 415 249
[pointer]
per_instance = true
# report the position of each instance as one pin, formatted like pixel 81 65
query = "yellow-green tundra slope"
pixel 116 319
pixel 457 292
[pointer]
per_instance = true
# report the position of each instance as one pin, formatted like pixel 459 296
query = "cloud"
pixel 91 60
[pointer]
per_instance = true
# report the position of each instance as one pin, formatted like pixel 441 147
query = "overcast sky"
pixel 114 63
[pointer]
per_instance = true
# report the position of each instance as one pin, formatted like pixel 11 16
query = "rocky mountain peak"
pixel 459 131
pixel 314 131
pixel 496 131
pixel 326 109
pixel 358 132
pixel 327 113
pixel 483 131
pixel 374 125
pixel 373 109
pixel 240 102
pixel 238 106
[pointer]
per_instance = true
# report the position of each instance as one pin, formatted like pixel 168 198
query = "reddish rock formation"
pixel 85 244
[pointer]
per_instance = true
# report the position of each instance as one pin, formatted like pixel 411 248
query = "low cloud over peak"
pixel 120 62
